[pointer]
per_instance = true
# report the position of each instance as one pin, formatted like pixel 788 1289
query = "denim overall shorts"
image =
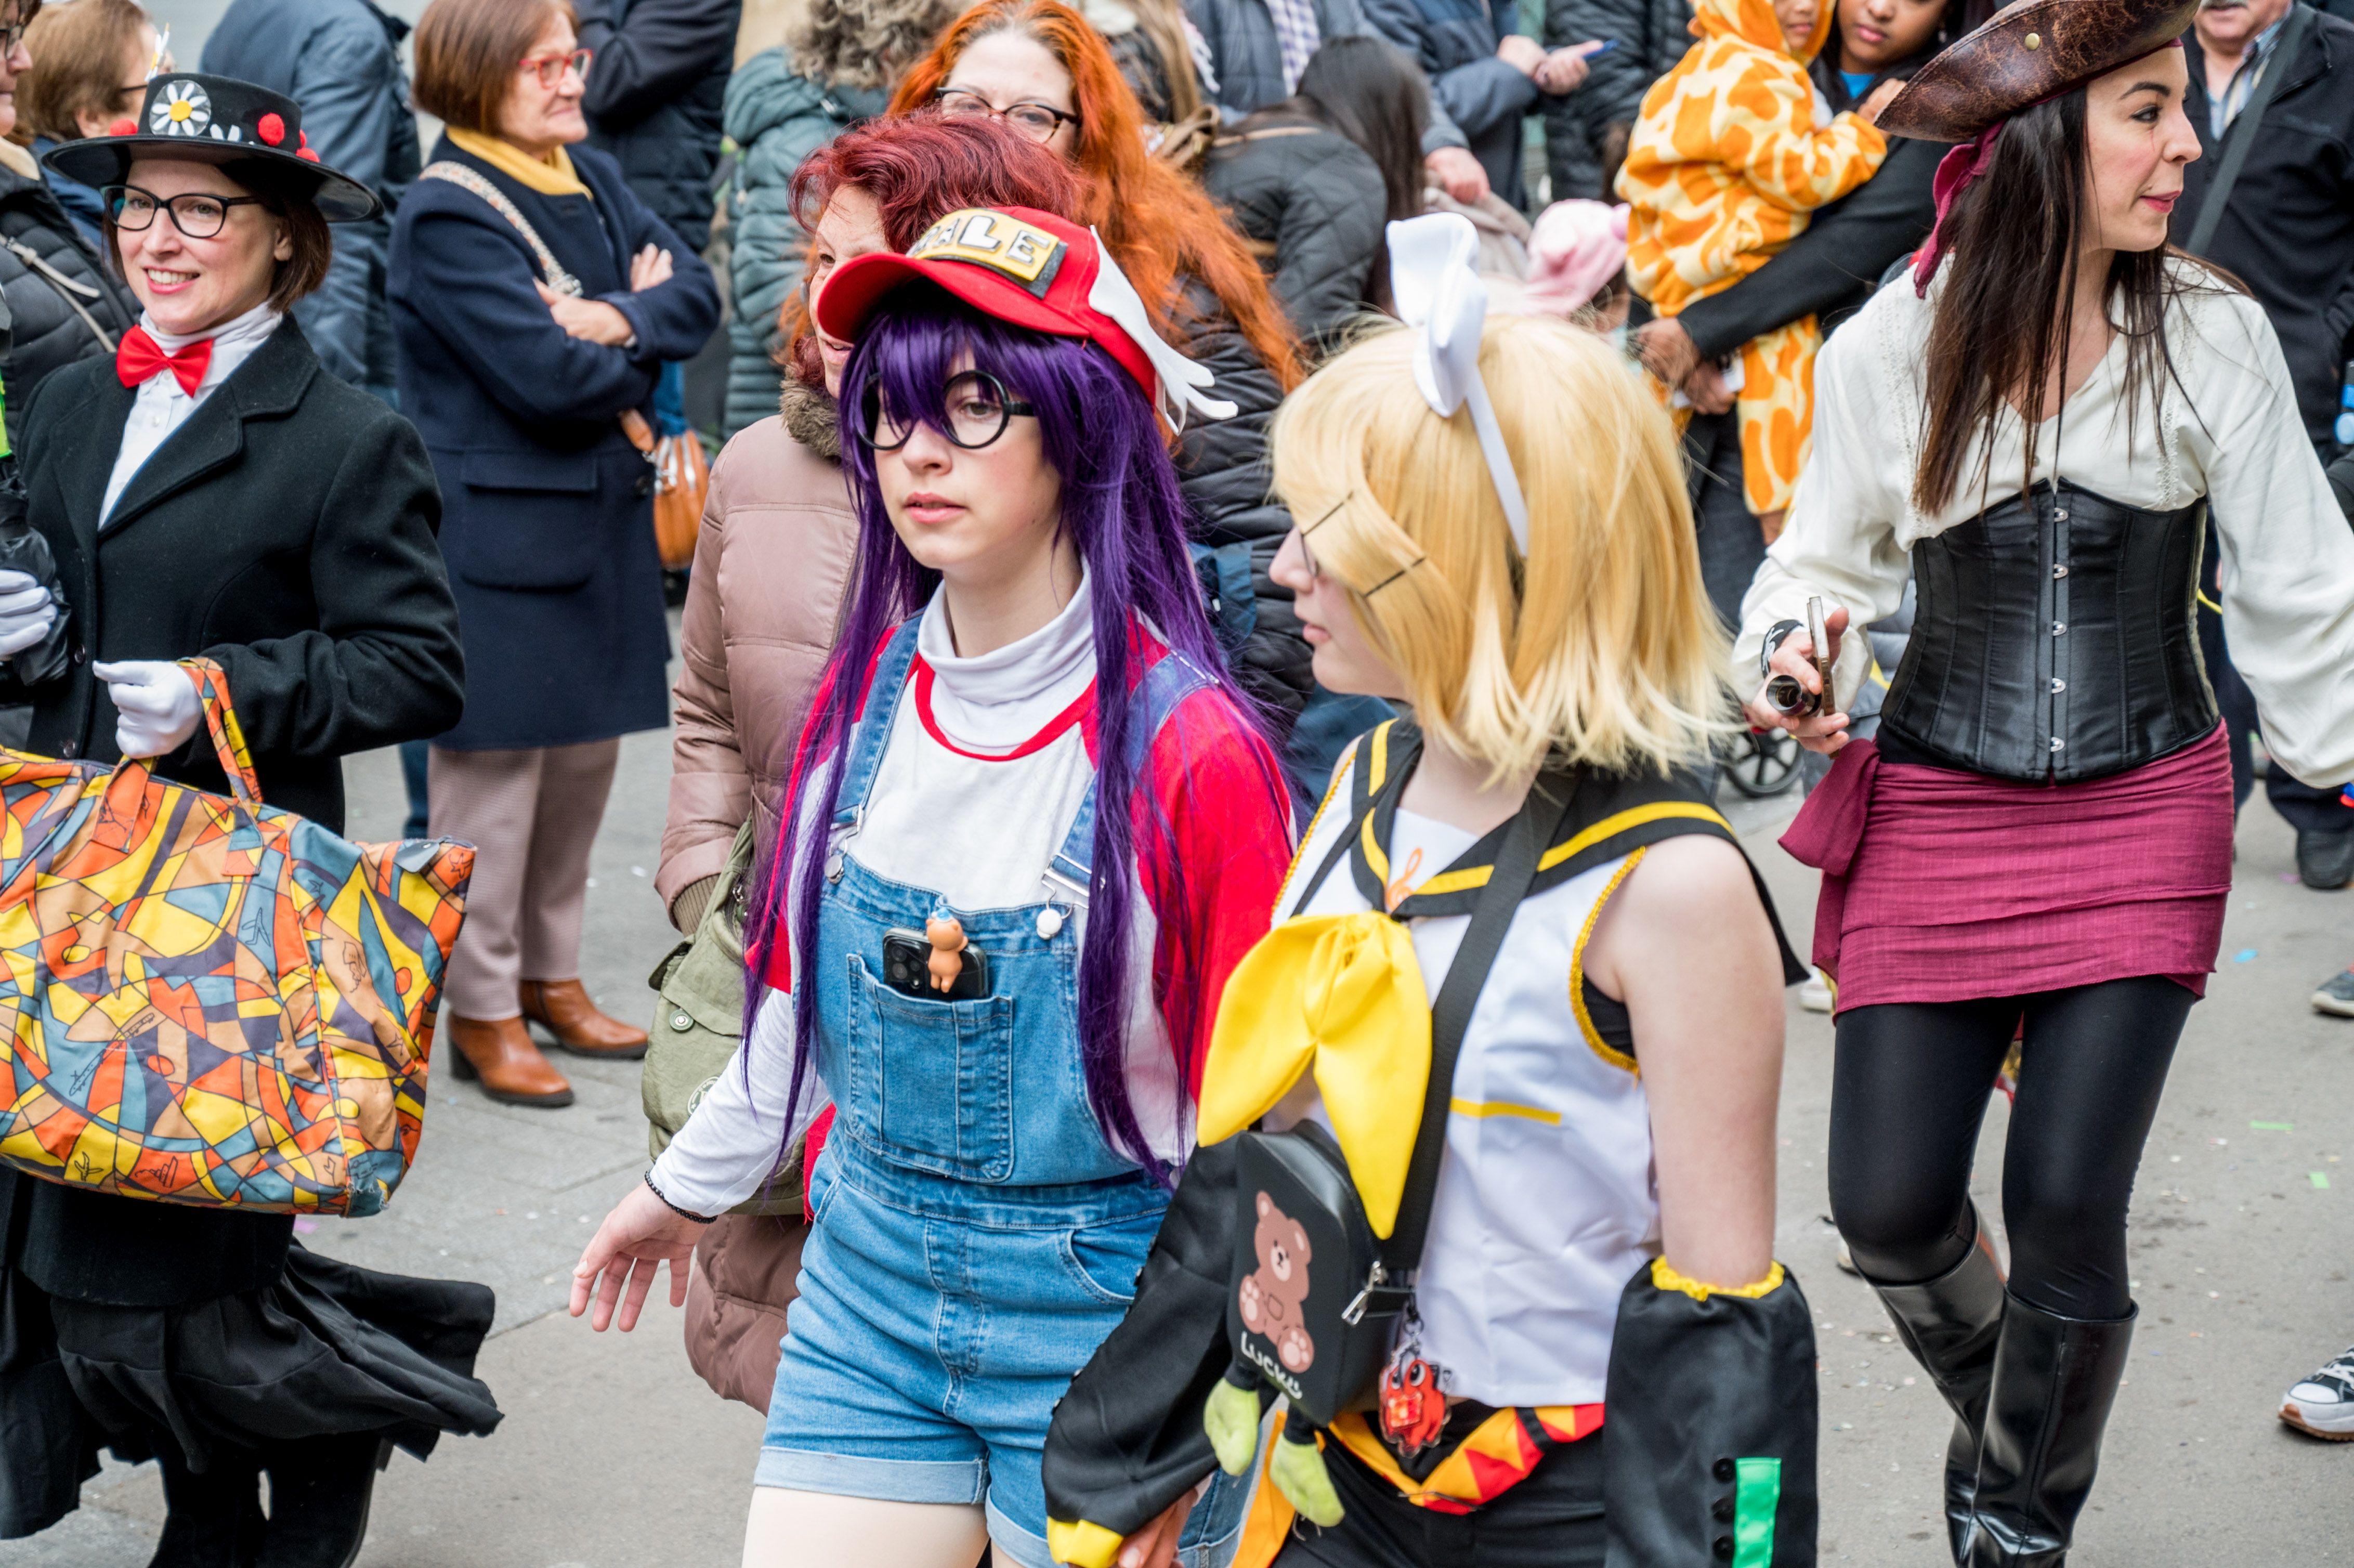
pixel 973 1235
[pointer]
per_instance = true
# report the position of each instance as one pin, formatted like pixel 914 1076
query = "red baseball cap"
pixel 1031 269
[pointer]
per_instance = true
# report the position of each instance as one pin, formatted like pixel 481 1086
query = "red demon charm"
pixel 1414 1412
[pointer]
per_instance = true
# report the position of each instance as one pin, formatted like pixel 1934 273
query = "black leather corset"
pixel 2055 639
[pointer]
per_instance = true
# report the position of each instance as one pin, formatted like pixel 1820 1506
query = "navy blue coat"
pixel 548 517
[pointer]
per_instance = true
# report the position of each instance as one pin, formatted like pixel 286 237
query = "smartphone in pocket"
pixel 907 969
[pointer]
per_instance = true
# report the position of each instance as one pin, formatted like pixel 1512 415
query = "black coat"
pixel 286 530
pixel 548 511
pixel 1313 203
pixel 1222 466
pixel 655 90
pixel 1831 269
pixel 1587 131
pixel 62 304
pixel 2288 226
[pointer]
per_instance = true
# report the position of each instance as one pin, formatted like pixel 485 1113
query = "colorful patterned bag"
pixel 206 1000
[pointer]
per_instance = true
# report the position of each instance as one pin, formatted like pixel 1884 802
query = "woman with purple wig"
pixel 1032 829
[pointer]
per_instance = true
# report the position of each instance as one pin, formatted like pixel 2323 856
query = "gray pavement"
pixel 613 1453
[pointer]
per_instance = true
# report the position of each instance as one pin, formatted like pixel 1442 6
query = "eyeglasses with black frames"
pixel 199 215
pixel 978 412
pixel 1039 121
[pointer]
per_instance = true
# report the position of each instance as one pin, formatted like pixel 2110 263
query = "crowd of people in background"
pixel 623 226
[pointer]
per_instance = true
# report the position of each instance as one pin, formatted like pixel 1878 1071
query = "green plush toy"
pixel 1231 1418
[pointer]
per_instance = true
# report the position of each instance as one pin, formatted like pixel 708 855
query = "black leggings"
pixel 1910 1089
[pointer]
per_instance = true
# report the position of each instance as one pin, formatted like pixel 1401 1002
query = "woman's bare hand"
pixel 648 267
pixel 592 319
pixel 638 1237
pixel 1705 388
pixel 1824 733
pixel 1868 110
pixel 1155 1546
pixel 1667 350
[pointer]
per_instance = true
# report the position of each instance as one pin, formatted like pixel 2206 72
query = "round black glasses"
pixel 978 412
pixel 199 215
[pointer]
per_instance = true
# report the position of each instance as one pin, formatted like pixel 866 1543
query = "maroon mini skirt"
pixel 1945 885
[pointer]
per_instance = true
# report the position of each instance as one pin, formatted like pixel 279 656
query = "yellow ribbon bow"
pixel 1344 994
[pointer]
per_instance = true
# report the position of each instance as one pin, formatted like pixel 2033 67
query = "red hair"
pixel 1161 228
pixel 916 170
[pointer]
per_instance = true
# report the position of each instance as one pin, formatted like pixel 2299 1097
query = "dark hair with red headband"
pixel 2009 233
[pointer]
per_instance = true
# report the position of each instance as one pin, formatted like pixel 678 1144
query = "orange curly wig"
pixel 1161 226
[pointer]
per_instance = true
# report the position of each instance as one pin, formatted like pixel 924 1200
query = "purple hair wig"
pixel 1123 512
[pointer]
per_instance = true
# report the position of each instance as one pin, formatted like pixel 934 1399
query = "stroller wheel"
pixel 1763 762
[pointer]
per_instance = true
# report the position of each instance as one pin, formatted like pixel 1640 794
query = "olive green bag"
pixel 699 1021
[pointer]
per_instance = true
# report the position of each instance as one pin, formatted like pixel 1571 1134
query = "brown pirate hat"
pixel 2028 52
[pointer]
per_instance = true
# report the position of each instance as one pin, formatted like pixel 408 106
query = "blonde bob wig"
pixel 1609 655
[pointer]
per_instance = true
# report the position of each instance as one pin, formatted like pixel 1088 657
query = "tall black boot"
pixel 2054 1380
pixel 215 1517
pixel 1951 1325
pixel 319 1492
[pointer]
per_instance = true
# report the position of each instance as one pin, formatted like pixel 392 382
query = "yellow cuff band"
pixel 1667 1278
pixel 1082 1545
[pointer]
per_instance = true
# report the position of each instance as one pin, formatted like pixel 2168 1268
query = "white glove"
pixel 26 613
pixel 155 704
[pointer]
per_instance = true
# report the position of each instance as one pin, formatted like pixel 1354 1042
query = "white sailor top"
pixel 1546 1203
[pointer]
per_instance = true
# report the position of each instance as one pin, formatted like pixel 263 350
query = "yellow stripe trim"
pixel 1503 1107
pixel 1378 862
pixel 1633 816
pixel 1667 1278
pixel 1601 1047
pixel 1473 877
pixel 1381 770
pixel 1339 776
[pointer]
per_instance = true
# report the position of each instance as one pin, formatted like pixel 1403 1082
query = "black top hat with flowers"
pixel 215 119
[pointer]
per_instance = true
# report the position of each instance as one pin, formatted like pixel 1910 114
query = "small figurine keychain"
pixel 946 933
pixel 1414 1412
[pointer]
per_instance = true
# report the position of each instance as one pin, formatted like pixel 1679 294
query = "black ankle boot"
pixel 2054 1380
pixel 215 1519
pixel 1951 1325
pixel 319 1492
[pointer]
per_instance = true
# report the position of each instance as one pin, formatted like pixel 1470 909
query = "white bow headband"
pixel 1438 290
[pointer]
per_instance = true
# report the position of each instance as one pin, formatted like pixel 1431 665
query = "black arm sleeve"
pixel 1127 1440
pixel 1710 1408
pixel 1840 255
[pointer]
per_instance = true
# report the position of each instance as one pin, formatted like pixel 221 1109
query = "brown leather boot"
pixel 499 1052
pixel 563 1009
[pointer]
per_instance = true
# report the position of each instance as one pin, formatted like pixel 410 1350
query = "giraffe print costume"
pixel 1733 150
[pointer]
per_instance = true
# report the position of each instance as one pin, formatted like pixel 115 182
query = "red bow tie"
pixel 140 358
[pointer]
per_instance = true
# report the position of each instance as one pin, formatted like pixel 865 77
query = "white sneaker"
pixel 2323 1405
pixel 1814 996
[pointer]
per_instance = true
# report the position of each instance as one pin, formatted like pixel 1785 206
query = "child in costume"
pixel 1597 1350
pixel 1034 826
pixel 1733 148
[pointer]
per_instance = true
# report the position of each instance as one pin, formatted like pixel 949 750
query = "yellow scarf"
pixel 1342 994
pixel 552 177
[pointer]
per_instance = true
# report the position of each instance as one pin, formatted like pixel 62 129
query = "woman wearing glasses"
pixel 533 301
pixel 1033 827
pixel 63 303
pixel 213 493
pixel 1039 65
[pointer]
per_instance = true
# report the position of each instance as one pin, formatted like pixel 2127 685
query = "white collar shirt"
pixel 161 406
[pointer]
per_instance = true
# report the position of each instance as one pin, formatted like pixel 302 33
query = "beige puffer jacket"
pixel 771 563
pixel 770 567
